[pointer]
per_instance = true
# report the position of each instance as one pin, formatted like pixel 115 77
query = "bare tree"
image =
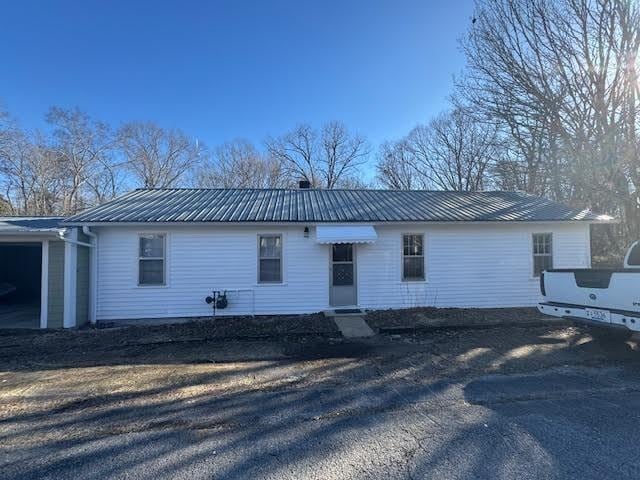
pixel 296 151
pixel 30 175
pixel 324 158
pixel 395 168
pixel 86 151
pixel 341 153
pixel 560 78
pixel 156 157
pixel 510 79
pixel 239 164
pixel 354 182
pixel 454 151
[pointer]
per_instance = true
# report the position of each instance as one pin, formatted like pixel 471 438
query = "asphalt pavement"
pixel 492 404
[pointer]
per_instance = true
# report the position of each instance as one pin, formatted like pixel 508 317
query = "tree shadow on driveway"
pixel 403 407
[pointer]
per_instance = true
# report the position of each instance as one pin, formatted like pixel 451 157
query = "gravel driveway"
pixel 509 402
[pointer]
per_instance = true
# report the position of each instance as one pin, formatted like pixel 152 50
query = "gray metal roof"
pixel 30 225
pixel 315 206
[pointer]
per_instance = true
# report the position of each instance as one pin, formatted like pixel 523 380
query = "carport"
pixel 20 284
pixel 44 274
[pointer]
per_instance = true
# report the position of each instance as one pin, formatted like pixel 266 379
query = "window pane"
pixel 151 272
pixel 542 243
pixel 412 245
pixel 343 274
pixel 342 252
pixel 152 246
pixel 270 247
pixel 413 268
pixel 270 270
pixel 541 263
pixel 537 266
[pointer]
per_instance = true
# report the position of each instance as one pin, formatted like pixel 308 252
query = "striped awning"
pixel 346 234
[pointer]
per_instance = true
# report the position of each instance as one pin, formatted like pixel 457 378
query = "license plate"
pixel 598 315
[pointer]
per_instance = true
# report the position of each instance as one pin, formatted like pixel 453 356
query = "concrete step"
pixel 338 313
pixel 353 326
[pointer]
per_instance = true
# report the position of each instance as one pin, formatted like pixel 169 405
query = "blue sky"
pixel 221 70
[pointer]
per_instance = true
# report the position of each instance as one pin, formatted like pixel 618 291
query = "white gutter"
pixel 61 235
pixel 30 233
pixel 93 274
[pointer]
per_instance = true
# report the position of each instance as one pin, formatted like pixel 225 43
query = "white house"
pixel 158 253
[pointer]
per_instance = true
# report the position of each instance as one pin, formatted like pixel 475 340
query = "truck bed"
pixel 594 295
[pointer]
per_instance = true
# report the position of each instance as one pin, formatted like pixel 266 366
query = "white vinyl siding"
pixel 469 265
pixel 202 259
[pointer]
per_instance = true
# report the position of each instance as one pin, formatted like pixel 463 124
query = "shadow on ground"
pixel 492 403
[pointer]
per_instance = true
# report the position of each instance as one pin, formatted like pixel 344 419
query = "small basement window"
pixel 542 253
pixel 270 259
pixel 151 260
pixel 412 257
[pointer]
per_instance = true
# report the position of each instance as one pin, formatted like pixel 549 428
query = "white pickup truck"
pixel 607 299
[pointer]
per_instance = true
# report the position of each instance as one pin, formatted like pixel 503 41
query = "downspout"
pixel 93 274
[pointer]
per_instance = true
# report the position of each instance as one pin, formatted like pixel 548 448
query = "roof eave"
pixel 34 233
pixel 315 222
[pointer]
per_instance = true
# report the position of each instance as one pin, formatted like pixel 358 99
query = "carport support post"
pixel 44 286
pixel 70 279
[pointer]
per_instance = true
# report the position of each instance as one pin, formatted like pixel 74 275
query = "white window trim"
pixel 258 258
pixel 424 258
pixel 164 259
pixel 533 255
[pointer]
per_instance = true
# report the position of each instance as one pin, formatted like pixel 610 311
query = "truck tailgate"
pixel 606 295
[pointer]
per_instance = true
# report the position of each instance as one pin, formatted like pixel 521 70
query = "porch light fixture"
pixel 306 232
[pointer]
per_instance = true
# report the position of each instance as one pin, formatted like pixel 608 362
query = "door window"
pixel 342 254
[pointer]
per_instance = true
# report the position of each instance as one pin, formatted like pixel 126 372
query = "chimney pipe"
pixel 304 184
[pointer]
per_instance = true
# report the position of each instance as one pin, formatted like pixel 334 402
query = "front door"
pixel 343 275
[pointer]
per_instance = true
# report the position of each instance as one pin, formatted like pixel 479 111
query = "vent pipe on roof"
pixel 304 184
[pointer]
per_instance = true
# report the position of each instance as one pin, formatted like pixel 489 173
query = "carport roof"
pixel 30 225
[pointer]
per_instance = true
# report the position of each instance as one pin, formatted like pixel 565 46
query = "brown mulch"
pixel 242 327
pixel 207 340
pixel 430 317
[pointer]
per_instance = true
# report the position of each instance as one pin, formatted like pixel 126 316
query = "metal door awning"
pixel 346 234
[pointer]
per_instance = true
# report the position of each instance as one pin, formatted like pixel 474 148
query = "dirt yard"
pixel 431 317
pixel 182 402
